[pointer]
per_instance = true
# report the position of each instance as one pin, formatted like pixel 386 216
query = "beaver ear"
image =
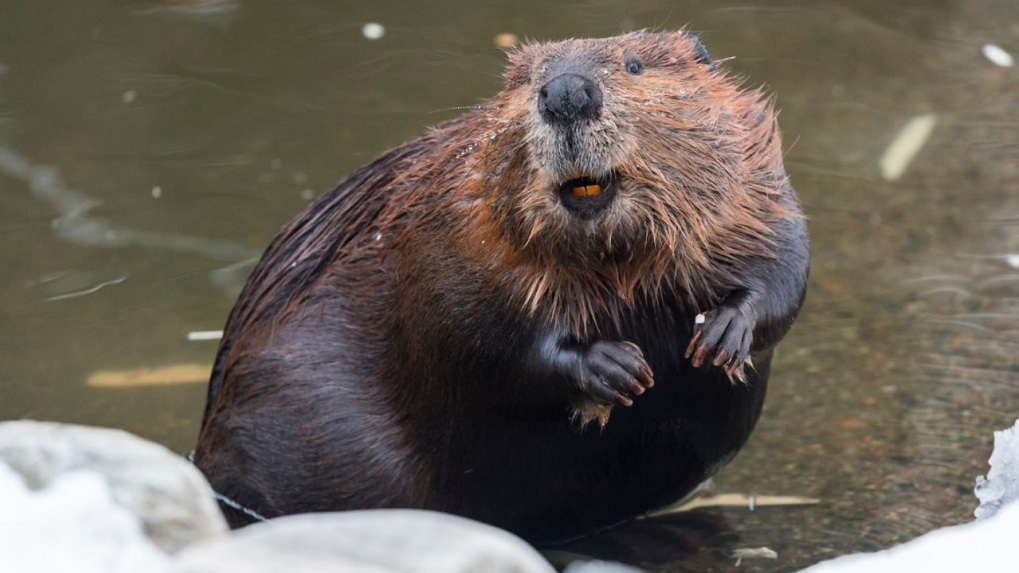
pixel 701 53
pixel 518 70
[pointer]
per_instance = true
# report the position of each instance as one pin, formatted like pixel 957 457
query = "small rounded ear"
pixel 518 70
pixel 701 53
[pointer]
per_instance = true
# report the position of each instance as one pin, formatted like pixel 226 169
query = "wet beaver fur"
pixel 473 322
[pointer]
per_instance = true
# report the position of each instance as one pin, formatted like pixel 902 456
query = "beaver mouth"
pixel 586 196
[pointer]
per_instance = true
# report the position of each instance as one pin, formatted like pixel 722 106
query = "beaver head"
pixel 581 127
pixel 612 169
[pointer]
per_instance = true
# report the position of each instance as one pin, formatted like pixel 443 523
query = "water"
pixel 149 149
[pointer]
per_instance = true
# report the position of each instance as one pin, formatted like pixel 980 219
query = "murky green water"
pixel 147 148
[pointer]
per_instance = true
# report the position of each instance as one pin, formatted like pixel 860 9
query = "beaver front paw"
pixel 725 333
pixel 613 372
pixel 610 373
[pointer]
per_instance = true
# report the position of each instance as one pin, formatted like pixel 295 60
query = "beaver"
pixel 552 313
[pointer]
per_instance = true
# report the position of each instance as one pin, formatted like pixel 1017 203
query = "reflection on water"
pixel 74 223
pixel 147 149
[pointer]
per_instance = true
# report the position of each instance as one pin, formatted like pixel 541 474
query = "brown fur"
pixel 701 161
pixel 420 334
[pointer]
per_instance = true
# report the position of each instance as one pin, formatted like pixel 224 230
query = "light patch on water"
pixel 75 224
pixel 201 335
pixel 87 291
pixel 906 145
pixel 373 30
pixel 998 56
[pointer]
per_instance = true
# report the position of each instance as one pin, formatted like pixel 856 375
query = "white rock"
pixel 168 494
pixel 72 525
pixel 377 541
pixel 600 567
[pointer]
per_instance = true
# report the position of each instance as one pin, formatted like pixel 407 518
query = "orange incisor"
pixel 587 190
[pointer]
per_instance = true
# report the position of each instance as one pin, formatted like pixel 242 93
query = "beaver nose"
pixel 568 98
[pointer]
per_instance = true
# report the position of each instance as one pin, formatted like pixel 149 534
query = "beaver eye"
pixel 633 65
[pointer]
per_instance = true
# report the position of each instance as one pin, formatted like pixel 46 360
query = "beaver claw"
pixel 614 372
pixel 726 334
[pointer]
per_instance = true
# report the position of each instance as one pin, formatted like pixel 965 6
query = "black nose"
pixel 569 98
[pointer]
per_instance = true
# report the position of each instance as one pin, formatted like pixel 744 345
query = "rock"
pixel 1001 486
pixel 599 567
pixel 72 525
pixel 986 545
pixel 375 541
pixel 168 495
pixel 89 500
